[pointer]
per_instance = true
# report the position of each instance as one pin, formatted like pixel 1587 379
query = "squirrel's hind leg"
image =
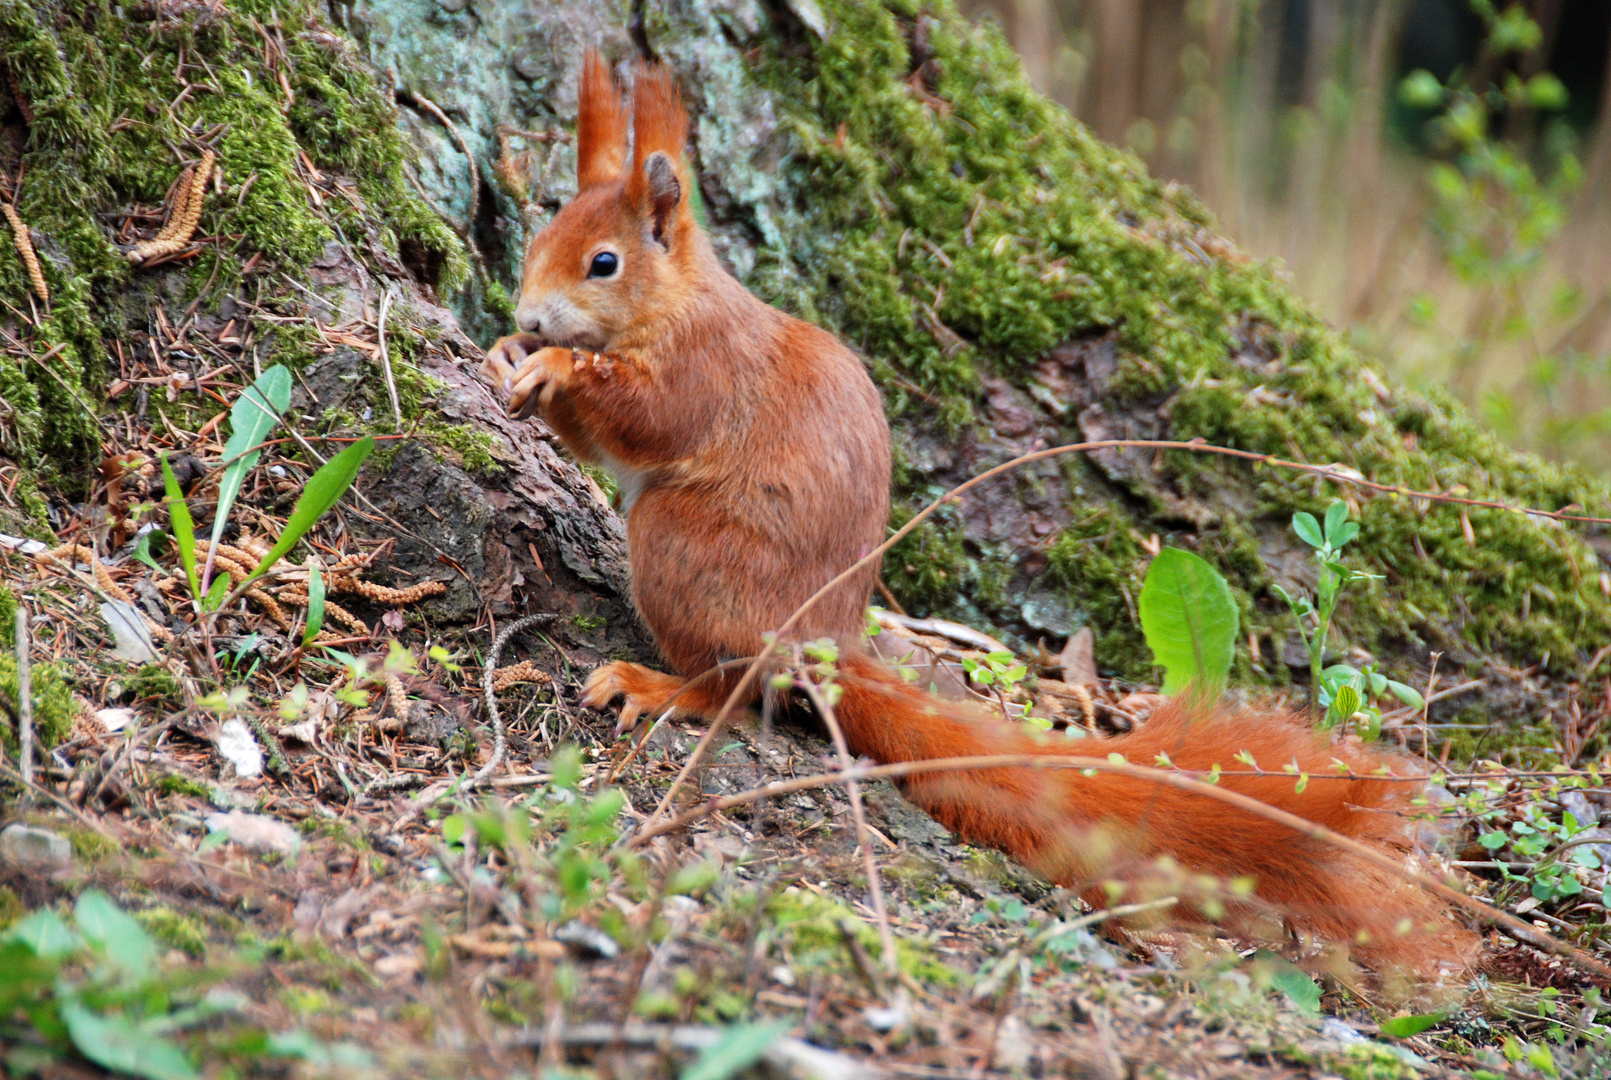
pixel 649 693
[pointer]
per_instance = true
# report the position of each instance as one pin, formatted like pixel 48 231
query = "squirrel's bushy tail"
pixel 1087 832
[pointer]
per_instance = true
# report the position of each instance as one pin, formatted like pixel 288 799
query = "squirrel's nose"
pixel 528 319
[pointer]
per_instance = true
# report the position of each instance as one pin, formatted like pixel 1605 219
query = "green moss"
pixel 52 700
pixel 1098 563
pixel 90 846
pixel 11 908
pixel 953 223
pixel 813 928
pixel 175 930
pixel 8 617
pixel 153 681
pixel 120 102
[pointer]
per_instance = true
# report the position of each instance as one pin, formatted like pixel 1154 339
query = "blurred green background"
pixel 1434 174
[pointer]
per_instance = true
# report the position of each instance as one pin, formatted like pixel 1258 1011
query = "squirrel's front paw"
pixel 505 357
pixel 538 376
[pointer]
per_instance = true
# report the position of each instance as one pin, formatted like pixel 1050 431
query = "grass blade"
pixel 324 488
pixel 315 607
pixel 252 417
pixel 184 529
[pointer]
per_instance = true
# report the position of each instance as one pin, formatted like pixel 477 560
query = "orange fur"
pixel 600 125
pixel 753 460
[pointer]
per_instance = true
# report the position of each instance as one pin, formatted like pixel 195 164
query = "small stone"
pixel 587 940
pixel 27 847
pixel 256 832
pixel 453 7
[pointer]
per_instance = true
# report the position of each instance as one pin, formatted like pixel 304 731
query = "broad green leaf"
pixel 116 1043
pixel 1345 532
pixel 251 419
pixel 1407 694
pixel 124 941
pixel 324 488
pixel 1336 516
pixel 1304 991
pixel 315 607
pixel 216 593
pixel 1308 529
pixel 184 529
pixel 1493 841
pixel 1189 619
pixel 45 935
pixel 738 1049
pixel 1343 705
pixel 1402 1027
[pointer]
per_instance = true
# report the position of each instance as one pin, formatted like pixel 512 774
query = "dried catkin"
pixel 525 671
pixel 189 196
pixel 382 594
pixel 25 248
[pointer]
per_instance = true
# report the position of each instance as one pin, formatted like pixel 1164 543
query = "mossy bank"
pixel 886 171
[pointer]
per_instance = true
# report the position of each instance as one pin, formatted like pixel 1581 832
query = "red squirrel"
pixel 753 460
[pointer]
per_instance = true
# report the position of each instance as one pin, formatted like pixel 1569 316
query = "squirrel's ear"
pixel 656 185
pixel 600 125
pixel 662 192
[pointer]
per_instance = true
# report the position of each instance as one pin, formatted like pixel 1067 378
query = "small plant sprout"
pixel 1339 692
pixel 996 671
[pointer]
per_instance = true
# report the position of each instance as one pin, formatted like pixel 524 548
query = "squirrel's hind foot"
pixel 646 691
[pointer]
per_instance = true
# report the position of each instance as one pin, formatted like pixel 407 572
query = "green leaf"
pixel 739 1048
pixel 1336 517
pixel 1420 89
pixel 1402 1027
pixel 251 419
pixel 1304 991
pixel 1545 91
pixel 1493 841
pixel 216 593
pixel 1407 694
pixel 692 880
pixel 115 1043
pixel 1344 705
pixel 45 935
pixel 1189 619
pixel 1308 529
pixel 324 488
pixel 142 547
pixel 315 607
pixel 124 941
pixel 1345 532
pixel 184 529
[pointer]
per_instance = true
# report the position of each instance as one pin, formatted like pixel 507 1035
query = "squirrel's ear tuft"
pixel 656 184
pixel 662 192
pixel 601 131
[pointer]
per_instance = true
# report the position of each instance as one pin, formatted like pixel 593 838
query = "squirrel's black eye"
pixel 604 264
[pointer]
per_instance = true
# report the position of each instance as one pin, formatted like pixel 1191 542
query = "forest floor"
pixel 314 890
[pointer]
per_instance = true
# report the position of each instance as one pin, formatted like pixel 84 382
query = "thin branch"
pixel 875 888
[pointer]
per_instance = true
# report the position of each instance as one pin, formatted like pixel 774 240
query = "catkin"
pixel 382 594
pixel 189 196
pixel 525 671
pixel 25 248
